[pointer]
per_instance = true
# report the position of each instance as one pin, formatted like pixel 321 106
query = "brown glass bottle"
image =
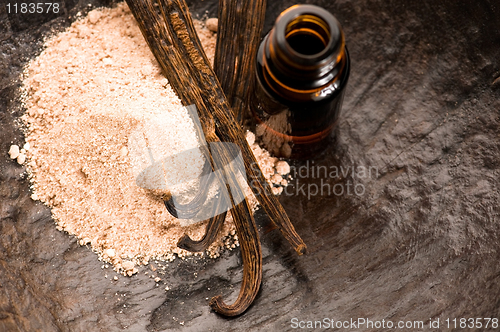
pixel 302 70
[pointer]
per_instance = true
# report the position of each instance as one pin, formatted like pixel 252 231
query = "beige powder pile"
pixel 91 90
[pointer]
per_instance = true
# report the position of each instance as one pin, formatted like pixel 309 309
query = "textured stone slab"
pixel 422 241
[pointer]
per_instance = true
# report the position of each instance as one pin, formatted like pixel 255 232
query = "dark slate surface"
pixel 422 242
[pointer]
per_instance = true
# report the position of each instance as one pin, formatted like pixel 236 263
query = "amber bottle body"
pixel 301 73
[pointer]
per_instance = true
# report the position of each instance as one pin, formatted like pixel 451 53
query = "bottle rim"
pixel 319 22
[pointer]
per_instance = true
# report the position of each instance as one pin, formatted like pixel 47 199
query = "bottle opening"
pixel 307 34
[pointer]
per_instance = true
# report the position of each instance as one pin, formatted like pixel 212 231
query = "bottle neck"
pixel 303 55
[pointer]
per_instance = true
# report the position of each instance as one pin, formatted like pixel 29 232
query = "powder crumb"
pixel 267 162
pixel 123 152
pixel 277 190
pixel 89 92
pixel 14 151
pixel 21 159
pixel 212 24
pixel 250 138
pixel 282 167
pixel 276 178
pixel 130 272
pixel 128 265
pixel 94 16
pixel 111 253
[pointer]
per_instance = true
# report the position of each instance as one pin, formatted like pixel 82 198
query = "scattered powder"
pixel 279 146
pixel 19 154
pixel 14 151
pixel 212 24
pixel 282 167
pixel 90 96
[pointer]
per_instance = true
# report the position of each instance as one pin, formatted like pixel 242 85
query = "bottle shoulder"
pixel 325 94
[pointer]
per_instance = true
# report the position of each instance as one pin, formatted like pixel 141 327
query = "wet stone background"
pixel 422 241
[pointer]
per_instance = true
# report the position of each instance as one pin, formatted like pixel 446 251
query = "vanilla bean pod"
pixel 252 263
pixel 248 237
pixel 240 27
pixel 213 227
pixel 238 37
pixel 161 45
pixel 190 209
pixel 195 83
pixel 173 41
pixel 215 223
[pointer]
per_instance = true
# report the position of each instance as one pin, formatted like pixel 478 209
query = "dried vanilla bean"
pixel 174 43
pixel 240 27
pixel 190 209
pixel 248 237
pixel 195 83
pixel 213 227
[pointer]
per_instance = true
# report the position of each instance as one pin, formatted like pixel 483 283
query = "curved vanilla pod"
pixel 218 210
pixel 248 237
pixel 190 209
pixel 172 39
pixel 214 223
pixel 213 228
pixel 252 263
